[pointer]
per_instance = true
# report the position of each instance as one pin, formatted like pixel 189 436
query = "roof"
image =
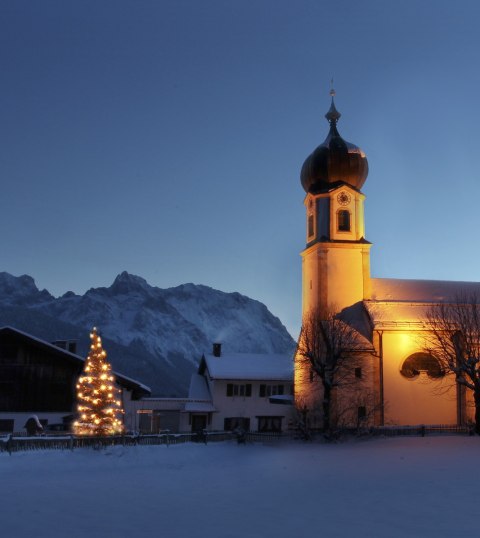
pixel 397 303
pixel 127 382
pixel 397 314
pixel 198 388
pixel 200 399
pixel 426 291
pixel 199 407
pixel 249 366
pixel 282 399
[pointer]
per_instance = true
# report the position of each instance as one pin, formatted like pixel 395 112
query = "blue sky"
pixel 165 138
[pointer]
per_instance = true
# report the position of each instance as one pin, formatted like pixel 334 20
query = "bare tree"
pixel 453 338
pixel 332 351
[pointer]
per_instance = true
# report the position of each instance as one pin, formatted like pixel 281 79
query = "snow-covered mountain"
pixel 152 334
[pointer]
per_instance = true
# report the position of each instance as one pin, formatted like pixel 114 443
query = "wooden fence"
pixel 19 442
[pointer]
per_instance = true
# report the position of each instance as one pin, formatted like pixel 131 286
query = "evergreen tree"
pixel 99 409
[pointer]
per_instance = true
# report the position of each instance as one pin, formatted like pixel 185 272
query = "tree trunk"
pixel 327 397
pixel 477 411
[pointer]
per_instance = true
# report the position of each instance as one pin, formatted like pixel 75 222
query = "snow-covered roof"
pixel 199 397
pixel 198 388
pixel 426 291
pixel 404 303
pixel 250 366
pixel 281 399
pixel 199 407
pixel 397 313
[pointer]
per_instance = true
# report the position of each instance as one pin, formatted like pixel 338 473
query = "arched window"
pixel 343 220
pixel 422 362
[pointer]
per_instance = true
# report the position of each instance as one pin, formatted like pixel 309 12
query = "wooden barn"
pixel 39 378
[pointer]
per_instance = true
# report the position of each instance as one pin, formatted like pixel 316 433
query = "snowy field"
pixel 387 488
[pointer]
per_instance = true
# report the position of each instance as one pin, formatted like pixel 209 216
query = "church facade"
pixel 398 382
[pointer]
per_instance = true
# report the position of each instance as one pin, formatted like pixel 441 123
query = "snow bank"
pixel 394 487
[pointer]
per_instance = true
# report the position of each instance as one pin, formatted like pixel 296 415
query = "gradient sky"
pixel 166 138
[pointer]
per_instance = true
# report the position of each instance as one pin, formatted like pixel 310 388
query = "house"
pixel 240 388
pixel 39 378
pixel 401 383
pixel 230 391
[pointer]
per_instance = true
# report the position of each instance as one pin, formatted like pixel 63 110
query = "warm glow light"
pixel 95 394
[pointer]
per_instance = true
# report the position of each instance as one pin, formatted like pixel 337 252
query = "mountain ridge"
pixel 156 335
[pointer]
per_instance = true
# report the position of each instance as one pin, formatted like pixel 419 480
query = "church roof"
pixel 428 291
pixel 403 302
pixel 335 162
pixel 396 314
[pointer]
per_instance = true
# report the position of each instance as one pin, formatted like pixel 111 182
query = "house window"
pixel 358 373
pixel 271 390
pixel 239 390
pixel 362 412
pixel 236 423
pixel 343 220
pixel 269 424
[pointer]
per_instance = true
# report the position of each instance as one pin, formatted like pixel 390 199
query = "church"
pixel 398 382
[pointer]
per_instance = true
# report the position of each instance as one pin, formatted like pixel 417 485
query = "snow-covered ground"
pixel 425 487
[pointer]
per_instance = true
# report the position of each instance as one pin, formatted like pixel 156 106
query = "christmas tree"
pixel 98 406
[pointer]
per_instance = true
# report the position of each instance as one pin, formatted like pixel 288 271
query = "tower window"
pixel 311 228
pixel 343 217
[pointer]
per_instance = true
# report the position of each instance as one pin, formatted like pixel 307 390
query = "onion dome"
pixel 335 161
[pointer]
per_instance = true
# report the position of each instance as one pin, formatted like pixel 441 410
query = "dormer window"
pixel 343 220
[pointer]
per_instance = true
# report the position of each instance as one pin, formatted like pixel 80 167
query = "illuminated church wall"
pixel 417 400
pixel 360 393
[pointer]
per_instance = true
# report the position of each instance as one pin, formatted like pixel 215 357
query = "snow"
pixel 430 291
pixel 250 366
pixel 198 388
pixel 158 335
pixel 404 302
pixel 400 487
pixel 387 313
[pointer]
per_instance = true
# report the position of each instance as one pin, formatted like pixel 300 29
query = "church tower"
pixel 336 260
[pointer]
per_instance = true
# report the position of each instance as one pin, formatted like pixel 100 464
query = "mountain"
pixel 151 334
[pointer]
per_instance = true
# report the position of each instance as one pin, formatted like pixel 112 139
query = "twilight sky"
pixel 166 138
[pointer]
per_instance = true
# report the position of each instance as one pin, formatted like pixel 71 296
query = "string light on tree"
pixel 98 405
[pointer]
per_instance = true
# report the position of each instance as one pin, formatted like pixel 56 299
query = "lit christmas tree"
pixel 98 406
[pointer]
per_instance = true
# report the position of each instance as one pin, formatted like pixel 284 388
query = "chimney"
pixel 217 350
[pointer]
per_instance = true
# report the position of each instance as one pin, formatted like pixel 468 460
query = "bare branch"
pixel 453 338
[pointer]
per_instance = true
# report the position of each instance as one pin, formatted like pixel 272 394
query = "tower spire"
pixel 333 115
